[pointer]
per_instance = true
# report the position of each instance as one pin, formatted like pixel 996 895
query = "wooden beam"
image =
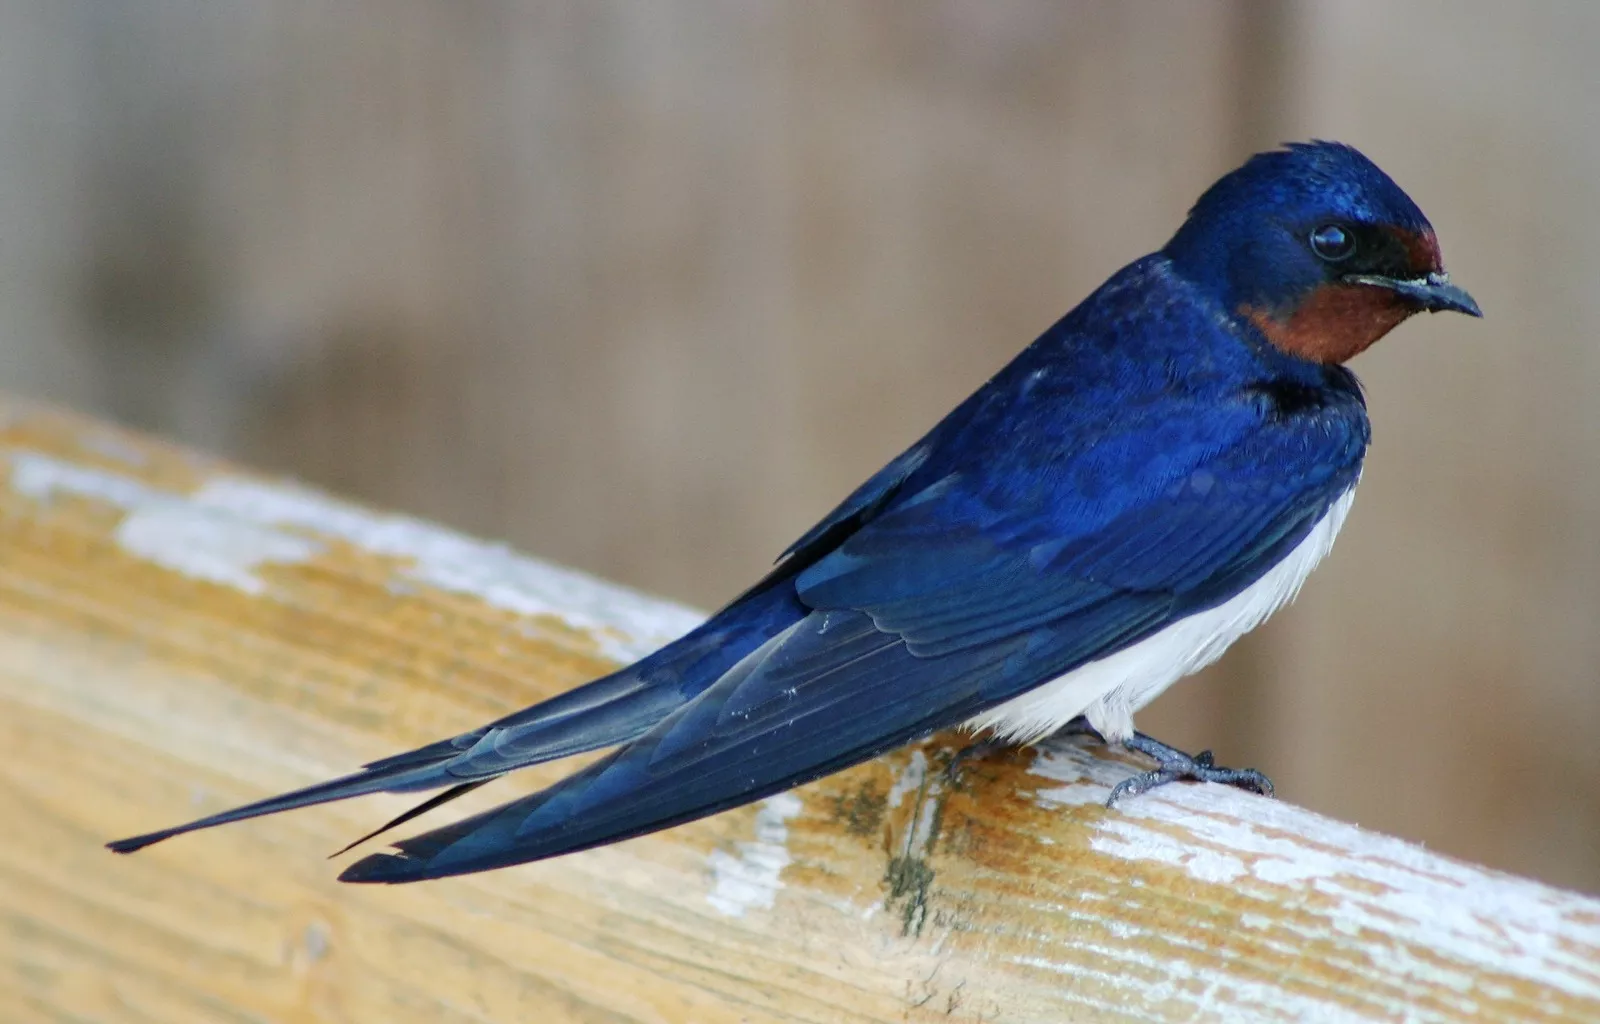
pixel 177 636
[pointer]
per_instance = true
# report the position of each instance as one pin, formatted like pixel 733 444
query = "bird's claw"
pixel 1176 766
pixel 972 752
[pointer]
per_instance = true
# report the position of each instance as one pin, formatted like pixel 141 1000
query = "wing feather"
pixel 941 606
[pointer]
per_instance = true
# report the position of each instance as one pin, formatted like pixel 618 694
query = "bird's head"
pixel 1318 249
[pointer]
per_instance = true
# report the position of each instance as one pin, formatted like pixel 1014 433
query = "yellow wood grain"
pixel 164 653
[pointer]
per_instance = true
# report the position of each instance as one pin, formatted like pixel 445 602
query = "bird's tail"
pixel 418 773
pixel 603 713
pixel 610 710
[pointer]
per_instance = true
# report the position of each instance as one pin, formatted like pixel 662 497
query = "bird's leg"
pixel 975 751
pixel 1176 765
pixel 981 749
pixel 1079 727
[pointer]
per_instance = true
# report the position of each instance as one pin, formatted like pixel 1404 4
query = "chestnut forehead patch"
pixel 1421 249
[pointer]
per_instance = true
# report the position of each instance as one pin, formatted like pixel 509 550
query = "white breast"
pixel 1111 689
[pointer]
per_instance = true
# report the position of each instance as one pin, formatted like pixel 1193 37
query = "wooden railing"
pixel 177 636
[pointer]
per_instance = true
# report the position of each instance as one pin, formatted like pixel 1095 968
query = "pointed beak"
pixel 1433 293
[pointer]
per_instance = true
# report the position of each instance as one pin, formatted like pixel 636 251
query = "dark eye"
pixel 1333 243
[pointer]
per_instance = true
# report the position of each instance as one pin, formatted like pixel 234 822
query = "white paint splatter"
pixel 916 781
pixel 1213 994
pixel 1131 841
pixel 920 839
pixel 1360 882
pixel 199 543
pixel 169 531
pixel 753 878
pixel 452 562
pixel 232 526
pixel 1206 975
pixel 908 781
pixel 42 478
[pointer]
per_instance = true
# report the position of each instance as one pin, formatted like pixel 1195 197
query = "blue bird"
pixel 1146 482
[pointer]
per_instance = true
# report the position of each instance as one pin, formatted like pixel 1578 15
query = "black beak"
pixel 1433 293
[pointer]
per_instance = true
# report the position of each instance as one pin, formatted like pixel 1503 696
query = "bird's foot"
pixel 972 752
pixel 1176 765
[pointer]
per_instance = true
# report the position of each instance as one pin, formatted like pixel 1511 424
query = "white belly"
pixel 1111 689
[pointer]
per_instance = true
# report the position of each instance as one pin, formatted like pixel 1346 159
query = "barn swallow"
pixel 1146 482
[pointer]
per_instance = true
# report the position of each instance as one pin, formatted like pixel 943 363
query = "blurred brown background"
pixel 646 286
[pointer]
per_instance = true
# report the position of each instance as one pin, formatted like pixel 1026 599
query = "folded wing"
pixel 932 612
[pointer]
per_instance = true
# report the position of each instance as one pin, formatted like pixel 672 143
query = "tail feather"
pixel 608 711
pixel 423 808
pixel 433 753
pixel 467 761
pixel 356 784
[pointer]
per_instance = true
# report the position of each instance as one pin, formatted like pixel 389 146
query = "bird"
pixel 1147 481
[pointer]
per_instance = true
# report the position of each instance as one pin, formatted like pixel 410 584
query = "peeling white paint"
pixel 199 543
pixel 917 781
pixel 170 531
pixel 1357 881
pixel 1437 924
pixel 752 879
pixel 920 837
pixel 232 526
pixel 42 478
pixel 1205 974
pixel 1213 995
pixel 1126 1006
pixel 1131 841
pixel 908 781
pixel 459 564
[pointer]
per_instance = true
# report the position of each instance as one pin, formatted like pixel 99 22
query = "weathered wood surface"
pixel 177 636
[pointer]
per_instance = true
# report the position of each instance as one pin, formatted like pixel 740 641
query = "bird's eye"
pixel 1333 243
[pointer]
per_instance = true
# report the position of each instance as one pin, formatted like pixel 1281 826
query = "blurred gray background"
pixel 646 286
